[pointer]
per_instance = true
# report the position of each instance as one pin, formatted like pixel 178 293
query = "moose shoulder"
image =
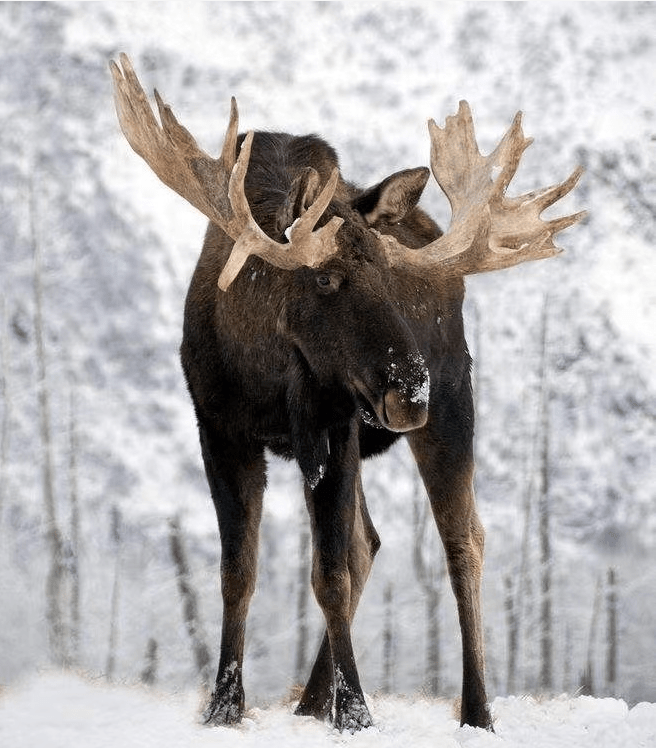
pixel 323 322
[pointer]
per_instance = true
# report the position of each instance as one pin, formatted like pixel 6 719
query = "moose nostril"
pixel 403 413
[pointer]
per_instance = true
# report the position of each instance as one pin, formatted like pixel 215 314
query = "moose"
pixel 324 321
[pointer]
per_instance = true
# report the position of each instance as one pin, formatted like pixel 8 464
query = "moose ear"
pixel 301 195
pixel 393 197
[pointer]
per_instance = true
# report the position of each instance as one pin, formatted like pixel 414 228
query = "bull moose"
pixel 323 321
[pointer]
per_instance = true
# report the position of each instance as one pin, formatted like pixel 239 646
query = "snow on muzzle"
pixel 402 405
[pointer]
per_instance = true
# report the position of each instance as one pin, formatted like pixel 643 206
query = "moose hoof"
pixel 479 717
pixel 222 712
pixel 352 716
pixel 319 709
pixel 226 707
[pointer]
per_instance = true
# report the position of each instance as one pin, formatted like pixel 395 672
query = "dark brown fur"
pixel 304 363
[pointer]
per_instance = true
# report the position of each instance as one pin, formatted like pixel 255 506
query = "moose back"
pixel 323 322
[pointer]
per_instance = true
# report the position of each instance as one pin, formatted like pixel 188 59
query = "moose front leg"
pixel 448 481
pixel 335 512
pixel 237 484
pixel 317 698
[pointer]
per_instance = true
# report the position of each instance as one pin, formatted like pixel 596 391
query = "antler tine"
pixel 170 150
pixel 179 136
pixel 229 150
pixel 559 224
pixel 137 121
pixel 216 186
pixel 310 247
pixel 304 225
pixel 488 231
pixel 508 154
pixel 550 195
pixel 236 192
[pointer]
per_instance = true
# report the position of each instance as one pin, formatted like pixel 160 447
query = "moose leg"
pixel 236 481
pixel 448 481
pixel 333 508
pixel 317 698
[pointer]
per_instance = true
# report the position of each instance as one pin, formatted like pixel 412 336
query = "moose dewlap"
pixel 323 322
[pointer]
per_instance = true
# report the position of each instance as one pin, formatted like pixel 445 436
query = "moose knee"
pixel 237 584
pixel 332 588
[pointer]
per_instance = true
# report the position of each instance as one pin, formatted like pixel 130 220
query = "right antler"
pixel 488 231
pixel 216 186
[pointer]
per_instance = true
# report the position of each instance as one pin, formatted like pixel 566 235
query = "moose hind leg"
pixel 237 486
pixel 465 563
pixel 449 485
pixel 317 698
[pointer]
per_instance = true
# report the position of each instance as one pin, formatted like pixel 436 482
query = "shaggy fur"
pixel 328 366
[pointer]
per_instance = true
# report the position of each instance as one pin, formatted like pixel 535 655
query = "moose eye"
pixel 328 282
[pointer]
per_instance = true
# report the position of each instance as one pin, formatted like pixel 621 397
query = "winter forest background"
pixel 108 543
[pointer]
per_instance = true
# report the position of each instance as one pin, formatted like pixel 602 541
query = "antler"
pixel 216 186
pixel 488 231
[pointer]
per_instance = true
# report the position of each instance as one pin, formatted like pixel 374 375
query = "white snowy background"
pixel 117 253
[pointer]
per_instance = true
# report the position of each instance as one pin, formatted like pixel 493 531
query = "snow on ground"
pixel 66 711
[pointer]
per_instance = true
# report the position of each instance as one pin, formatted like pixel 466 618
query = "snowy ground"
pixel 65 711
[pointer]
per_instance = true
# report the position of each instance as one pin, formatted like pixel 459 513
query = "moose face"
pixel 343 321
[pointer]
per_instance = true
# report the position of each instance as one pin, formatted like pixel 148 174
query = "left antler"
pixel 216 186
pixel 488 230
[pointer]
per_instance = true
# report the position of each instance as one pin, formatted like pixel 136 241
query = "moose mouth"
pixel 394 409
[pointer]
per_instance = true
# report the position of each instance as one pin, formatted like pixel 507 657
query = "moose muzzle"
pixel 402 403
pixel 400 412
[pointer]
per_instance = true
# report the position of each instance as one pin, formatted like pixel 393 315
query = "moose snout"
pixel 403 413
pixel 402 403
pixel 405 402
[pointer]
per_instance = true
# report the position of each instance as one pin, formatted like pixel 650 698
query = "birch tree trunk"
pixel 190 606
pixel 588 675
pixel 6 410
pixel 116 596
pixel 388 640
pixel 523 605
pixel 74 566
pixel 544 519
pixel 512 623
pixel 611 633
pixel 302 599
pixel 148 675
pixel 433 629
pixel 55 577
